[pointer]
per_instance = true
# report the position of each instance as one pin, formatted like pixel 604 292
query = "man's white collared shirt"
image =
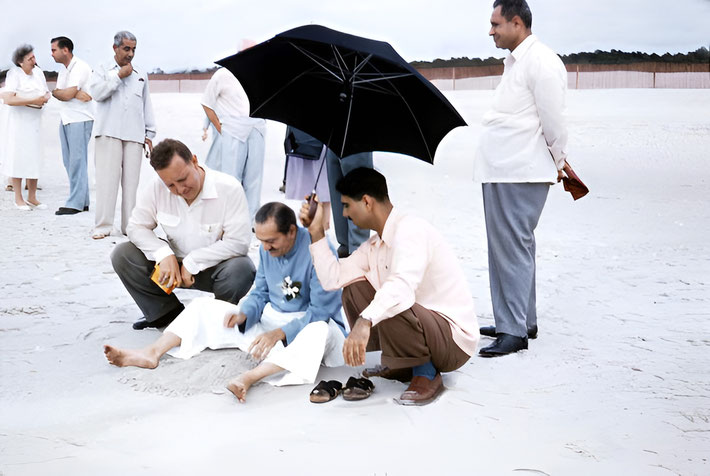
pixel 225 95
pixel 77 74
pixel 214 228
pixel 524 135
pixel 123 108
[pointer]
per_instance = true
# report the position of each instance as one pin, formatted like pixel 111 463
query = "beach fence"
pixel 583 76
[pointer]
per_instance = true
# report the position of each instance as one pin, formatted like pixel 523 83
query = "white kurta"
pixel 20 142
pixel 201 326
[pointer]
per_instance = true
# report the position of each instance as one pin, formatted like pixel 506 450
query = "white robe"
pixel 201 326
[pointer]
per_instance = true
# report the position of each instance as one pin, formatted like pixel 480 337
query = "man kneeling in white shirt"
pixel 288 319
pixel 205 217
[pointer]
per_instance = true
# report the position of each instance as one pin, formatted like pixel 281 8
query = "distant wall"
pixel 583 76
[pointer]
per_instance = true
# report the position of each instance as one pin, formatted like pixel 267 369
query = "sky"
pixel 179 35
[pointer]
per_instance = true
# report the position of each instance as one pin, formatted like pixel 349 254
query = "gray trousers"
pixel 512 211
pixel 348 235
pixel 230 280
pixel 118 162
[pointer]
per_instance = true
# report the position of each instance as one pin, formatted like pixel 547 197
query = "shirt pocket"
pixel 213 231
pixel 137 88
pixel 168 222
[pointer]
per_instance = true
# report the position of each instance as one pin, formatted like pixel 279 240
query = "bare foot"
pixel 239 388
pixel 130 357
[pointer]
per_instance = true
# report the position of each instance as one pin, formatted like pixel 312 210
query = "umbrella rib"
pixel 339 59
pixel 316 59
pixel 357 68
pixel 294 79
pixel 347 127
pixel 384 78
pixel 375 88
pixel 416 122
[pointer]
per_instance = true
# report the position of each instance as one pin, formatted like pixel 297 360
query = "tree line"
pixel 701 55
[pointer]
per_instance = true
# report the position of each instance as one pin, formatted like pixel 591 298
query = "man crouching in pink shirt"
pixel 404 292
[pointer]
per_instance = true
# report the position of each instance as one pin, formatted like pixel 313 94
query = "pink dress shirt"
pixel 410 263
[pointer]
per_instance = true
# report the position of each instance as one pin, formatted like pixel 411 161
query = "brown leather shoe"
pixel 403 375
pixel 421 391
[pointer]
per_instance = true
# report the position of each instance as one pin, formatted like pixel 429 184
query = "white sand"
pixel 617 383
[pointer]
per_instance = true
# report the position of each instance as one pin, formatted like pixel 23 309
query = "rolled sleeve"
pixel 333 273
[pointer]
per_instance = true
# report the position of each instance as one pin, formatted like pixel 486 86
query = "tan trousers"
pixel 413 337
pixel 117 162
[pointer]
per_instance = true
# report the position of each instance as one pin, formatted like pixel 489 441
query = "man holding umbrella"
pixel 403 290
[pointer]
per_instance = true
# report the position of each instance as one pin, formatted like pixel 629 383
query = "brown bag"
pixel 573 184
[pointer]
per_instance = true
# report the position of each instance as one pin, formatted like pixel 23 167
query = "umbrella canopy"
pixel 352 93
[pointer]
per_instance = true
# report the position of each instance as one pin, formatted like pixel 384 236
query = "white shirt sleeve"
pixel 141 226
pixel 549 89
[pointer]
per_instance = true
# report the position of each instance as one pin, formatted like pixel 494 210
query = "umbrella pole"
pixel 312 205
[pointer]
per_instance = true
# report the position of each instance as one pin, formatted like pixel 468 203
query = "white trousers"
pixel 117 162
pixel 201 326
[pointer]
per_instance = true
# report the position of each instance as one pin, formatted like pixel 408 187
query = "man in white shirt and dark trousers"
pixel 77 120
pixel 205 217
pixel 521 153
pixel 124 126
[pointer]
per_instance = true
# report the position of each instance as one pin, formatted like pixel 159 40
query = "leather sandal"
pixel 325 391
pixel 358 389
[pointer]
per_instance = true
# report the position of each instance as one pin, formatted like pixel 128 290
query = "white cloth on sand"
pixel 201 326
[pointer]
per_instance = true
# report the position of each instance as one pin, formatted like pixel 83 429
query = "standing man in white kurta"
pixel 124 125
pixel 521 153
pixel 241 147
pixel 77 120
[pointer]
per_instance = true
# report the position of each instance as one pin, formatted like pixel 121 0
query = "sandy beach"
pixel 618 381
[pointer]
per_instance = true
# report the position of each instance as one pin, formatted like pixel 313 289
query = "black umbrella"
pixel 352 93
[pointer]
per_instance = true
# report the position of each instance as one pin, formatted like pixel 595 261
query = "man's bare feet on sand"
pixel 239 386
pixel 130 357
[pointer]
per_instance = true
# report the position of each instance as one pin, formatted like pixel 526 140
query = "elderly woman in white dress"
pixel 20 145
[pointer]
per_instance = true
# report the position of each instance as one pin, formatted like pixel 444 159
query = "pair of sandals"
pixel 355 389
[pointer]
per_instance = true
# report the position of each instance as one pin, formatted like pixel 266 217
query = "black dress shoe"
pixel 505 344
pixel 162 321
pixel 141 324
pixel 67 211
pixel 490 331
